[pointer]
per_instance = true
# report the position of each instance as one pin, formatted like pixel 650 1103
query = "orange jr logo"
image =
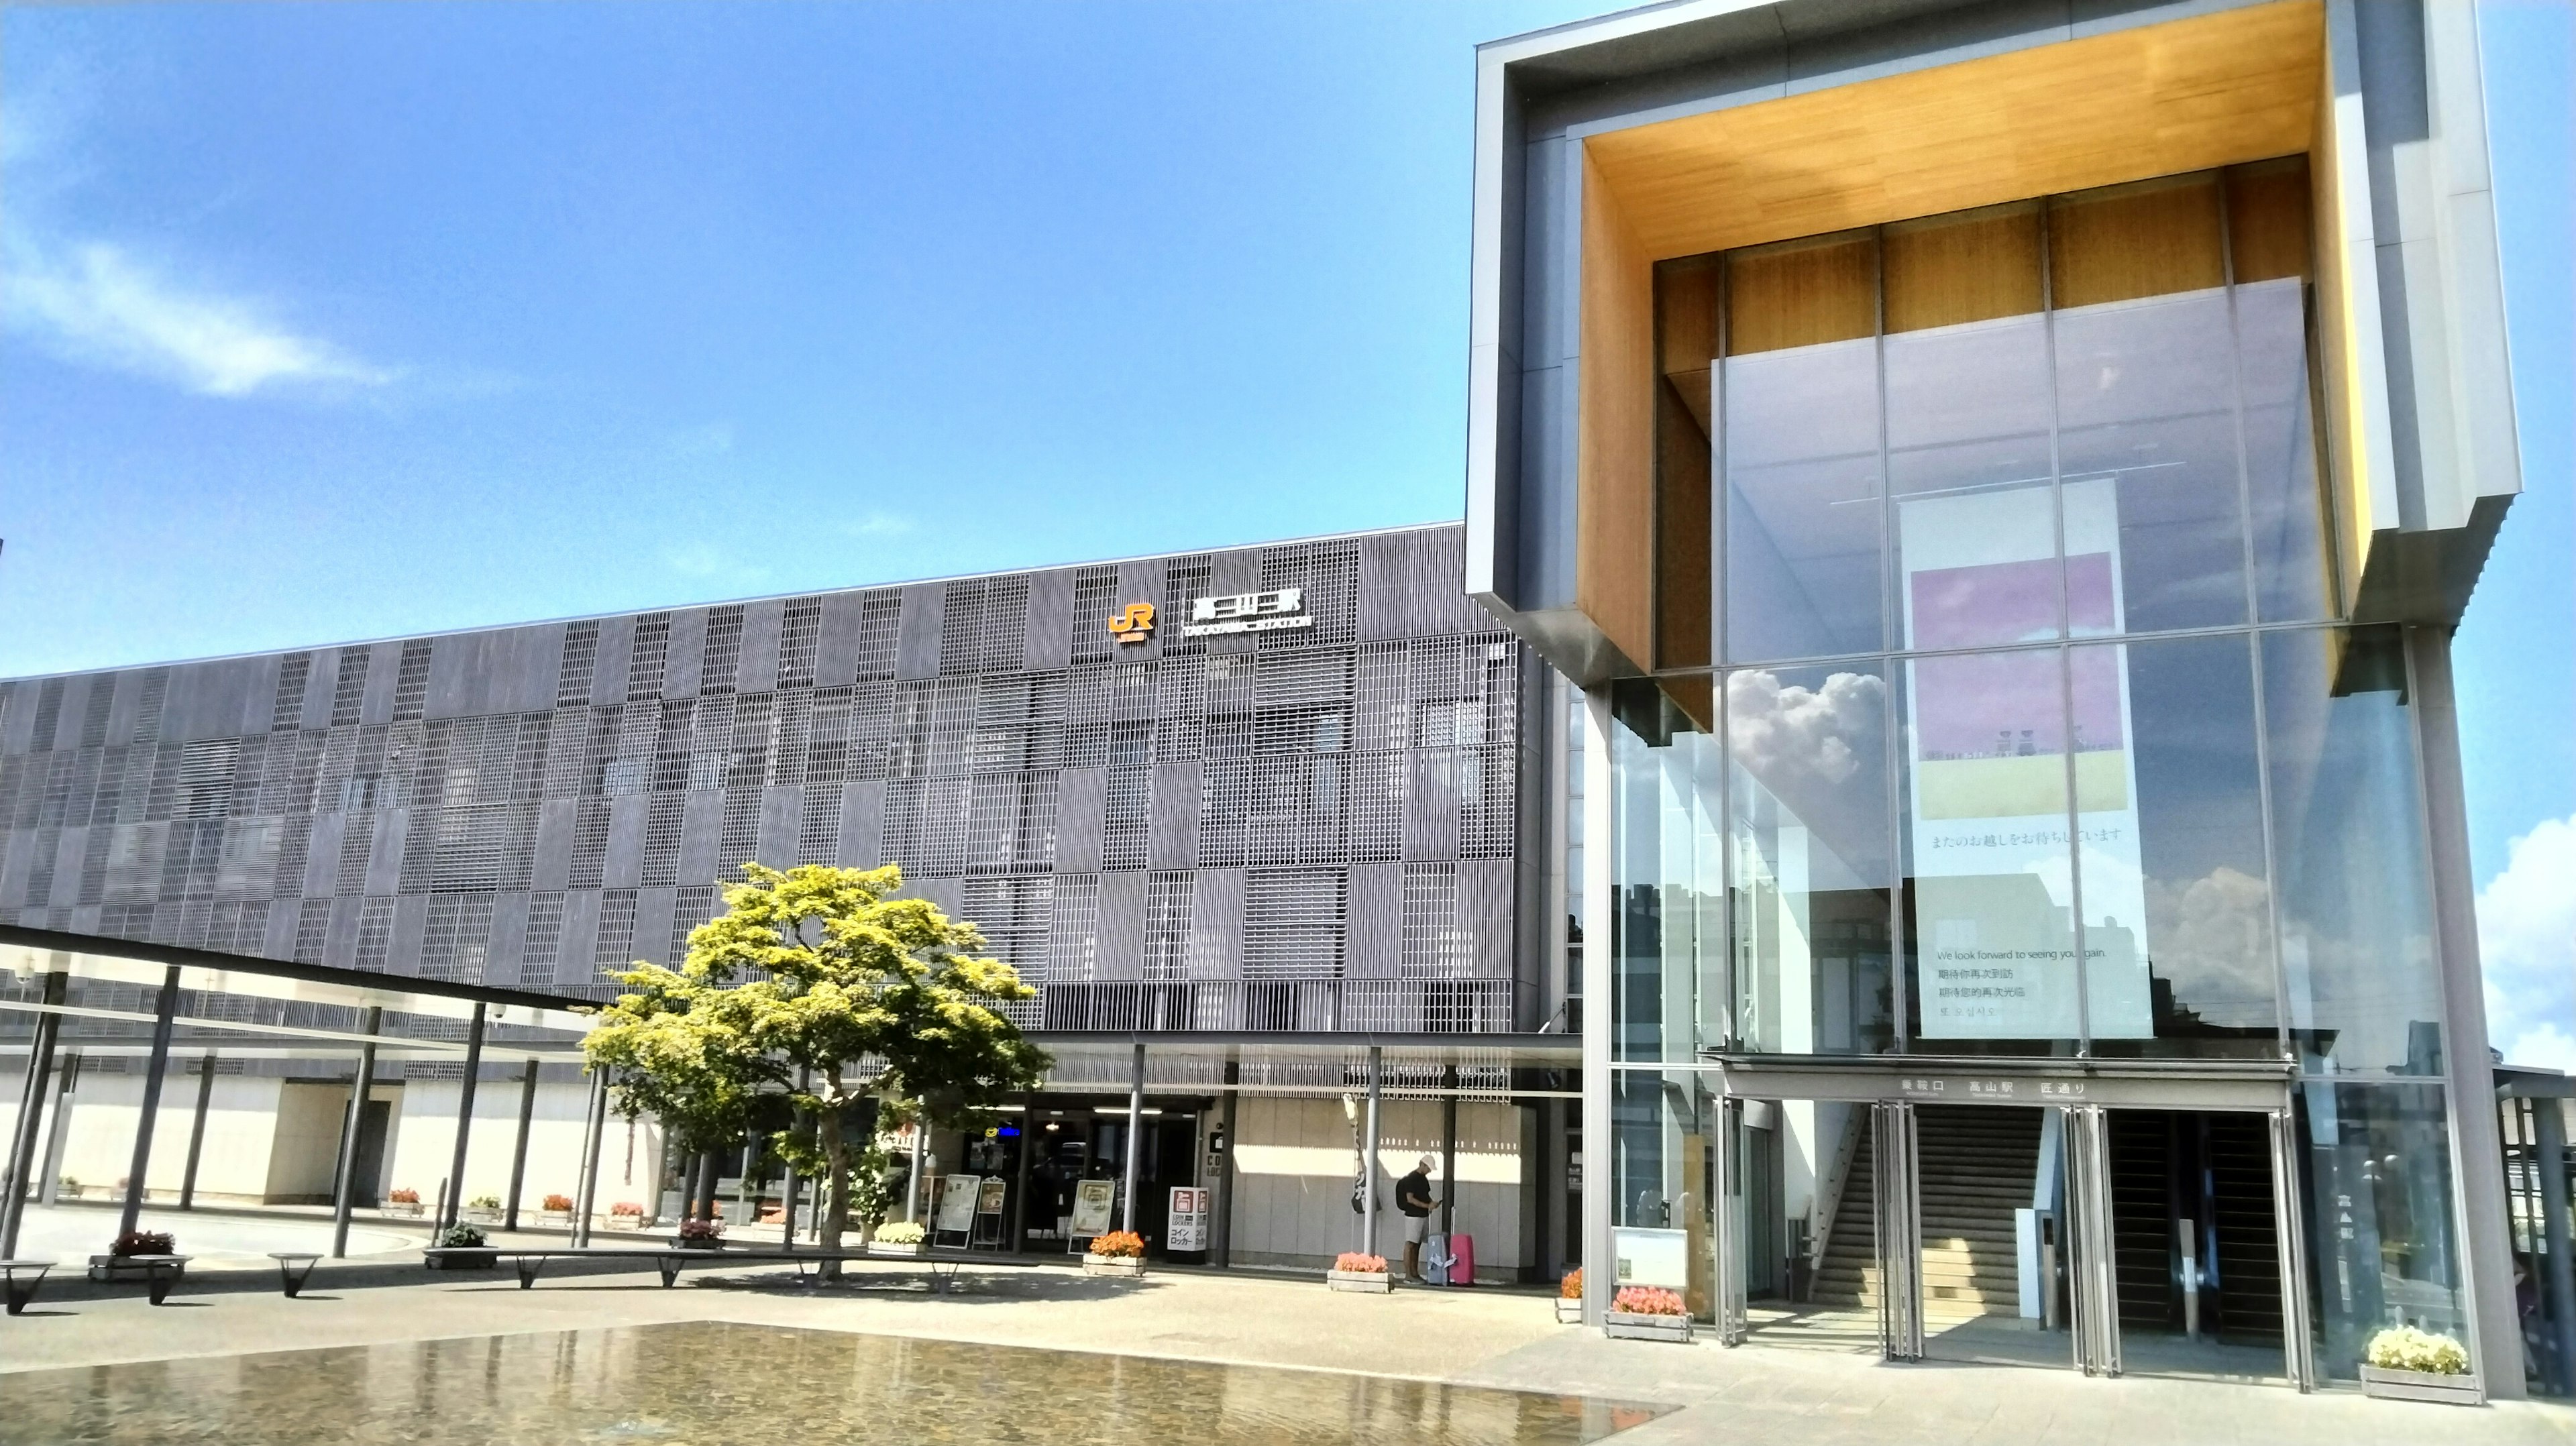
pixel 1134 625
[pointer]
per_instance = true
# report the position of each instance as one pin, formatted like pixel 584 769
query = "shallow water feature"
pixel 707 1382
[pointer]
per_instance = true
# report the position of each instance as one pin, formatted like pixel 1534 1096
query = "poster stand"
pixel 1095 1205
pixel 956 1215
pixel 991 1199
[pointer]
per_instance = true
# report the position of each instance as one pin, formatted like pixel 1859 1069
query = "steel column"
pixel 164 1018
pixel 197 1131
pixel 519 1152
pixel 1598 1241
pixel 454 1207
pixel 2094 1264
pixel 594 1134
pixel 360 1087
pixel 1368 1158
pixel 920 1141
pixel 1728 1216
pixel 58 1129
pixel 1898 1208
pixel 1020 1186
pixel 788 1182
pixel 25 1158
pixel 1135 1128
pixel 1448 1149
pixel 1222 1240
pixel 2298 1343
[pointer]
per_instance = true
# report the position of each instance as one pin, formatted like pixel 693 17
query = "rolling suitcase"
pixel 1458 1259
pixel 1435 1259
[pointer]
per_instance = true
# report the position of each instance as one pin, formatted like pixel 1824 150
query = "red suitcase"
pixel 1462 1259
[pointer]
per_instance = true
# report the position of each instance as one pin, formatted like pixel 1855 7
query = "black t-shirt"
pixel 1416 1186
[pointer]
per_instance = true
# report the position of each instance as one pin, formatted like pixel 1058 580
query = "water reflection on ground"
pixel 709 1382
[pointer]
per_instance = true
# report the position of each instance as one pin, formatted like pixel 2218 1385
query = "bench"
pixel 666 1259
pixel 21 1278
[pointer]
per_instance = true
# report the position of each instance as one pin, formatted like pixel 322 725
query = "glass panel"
pixel 1968 460
pixel 2293 573
pixel 1810 833
pixel 1989 886
pixel 1803 521
pixel 2147 424
pixel 2379 1204
pixel 1663 1166
pixel 2177 944
pixel 2356 906
pixel 1666 866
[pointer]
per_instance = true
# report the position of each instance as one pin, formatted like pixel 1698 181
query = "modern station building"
pixel 2004 476
pixel 1925 787
pixel 1264 807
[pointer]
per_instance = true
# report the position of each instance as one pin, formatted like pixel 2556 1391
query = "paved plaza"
pixel 1820 1390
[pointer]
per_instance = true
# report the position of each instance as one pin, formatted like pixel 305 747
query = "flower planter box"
pixel 1365 1282
pixel 1623 1325
pixel 1568 1312
pixel 555 1217
pixel 460 1257
pixel 908 1252
pixel 2390 1385
pixel 410 1209
pixel 690 1242
pixel 625 1222
pixel 481 1214
pixel 104 1268
pixel 1126 1265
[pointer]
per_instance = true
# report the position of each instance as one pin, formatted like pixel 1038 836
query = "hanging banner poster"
pixel 957 1202
pixel 1990 734
pixel 1094 1205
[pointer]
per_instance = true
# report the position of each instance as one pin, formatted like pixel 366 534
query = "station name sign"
pixel 1248 612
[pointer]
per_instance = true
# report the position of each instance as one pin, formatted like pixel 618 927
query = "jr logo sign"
pixel 1134 625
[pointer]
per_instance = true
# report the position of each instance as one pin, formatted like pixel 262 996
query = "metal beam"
pixel 1135 1122
pixel 519 1152
pixel 454 1208
pixel 24 1153
pixel 153 1076
pixel 197 1131
pixel 361 1085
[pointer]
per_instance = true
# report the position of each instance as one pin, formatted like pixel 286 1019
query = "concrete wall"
pixel 424 1144
pixel 1292 1187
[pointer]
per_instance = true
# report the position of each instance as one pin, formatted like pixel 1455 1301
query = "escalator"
pixel 2215 1171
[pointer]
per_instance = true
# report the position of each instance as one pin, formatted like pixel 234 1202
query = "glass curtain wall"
pixel 2031 727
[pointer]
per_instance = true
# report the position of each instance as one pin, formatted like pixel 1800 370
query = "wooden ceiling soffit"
pixel 2155 100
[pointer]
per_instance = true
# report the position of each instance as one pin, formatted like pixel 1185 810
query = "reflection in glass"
pixel 1662 1168
pixel 2145 397
pixel 1989 887
pixel 2362 988
pixel 1666 871
pixel 1812 872
pixel 1803 515
pixel 2293 578
pixel 2380 1217
pixel 1968 461
pixel 2178 957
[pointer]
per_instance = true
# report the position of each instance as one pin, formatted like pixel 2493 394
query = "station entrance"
pixel 2028 1215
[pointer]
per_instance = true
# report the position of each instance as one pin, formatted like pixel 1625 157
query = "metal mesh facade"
pixel 1304 828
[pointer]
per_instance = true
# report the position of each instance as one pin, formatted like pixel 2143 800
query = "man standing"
pixel 1413 1197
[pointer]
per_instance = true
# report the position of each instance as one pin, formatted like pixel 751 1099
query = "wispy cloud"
pixel 706 560
pixel 877 524
pixel 92 303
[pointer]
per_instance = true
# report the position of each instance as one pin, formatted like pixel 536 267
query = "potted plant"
pixel 626 1215
pixel 1120 1252
pixel 700 1235
pixel 460 1247
pixel 131 1256
pixel 2406 1364
pixel 484 1207
pixel 404 1200
pixel 557 1209
pixel 1569 1299
pixel 1355 1271
pixel 901 1238
pixel 1648 1313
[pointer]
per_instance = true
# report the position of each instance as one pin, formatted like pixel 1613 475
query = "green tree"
pixel 817 974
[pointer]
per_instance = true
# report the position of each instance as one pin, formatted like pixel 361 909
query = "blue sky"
pixel 356 320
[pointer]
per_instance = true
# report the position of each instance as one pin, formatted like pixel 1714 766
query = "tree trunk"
pixel 836 1181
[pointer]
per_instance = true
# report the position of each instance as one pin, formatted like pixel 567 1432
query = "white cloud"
pixel 878 524
pixel 2527 943
pixel 95 305
pixel 704 560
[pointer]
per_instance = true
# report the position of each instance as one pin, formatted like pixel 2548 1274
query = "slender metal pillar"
pixel 24 1155
pixel 1368 1156
pixel 920 1140
pixel 2094 1264
pixel 58 1130
pixel 1727 1216
pixel 2298 1343
pixel 360 1086
pixel 1222 1240
pixel 454 1208
pixel 164 1018
pixel 1898 1205
pixel 519 1153
pixel 1020 1186
pixel 743 1199
pixel 1135 1135
pixel 1597 1244
pixel 594 1134
pixel 788 1181
pixel 1448 1149
pixel 197 1131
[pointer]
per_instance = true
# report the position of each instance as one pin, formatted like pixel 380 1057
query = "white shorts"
pixel 1416 1227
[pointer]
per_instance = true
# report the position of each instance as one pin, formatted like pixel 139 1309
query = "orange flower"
pixel 1351 1262
pixel 1119 1243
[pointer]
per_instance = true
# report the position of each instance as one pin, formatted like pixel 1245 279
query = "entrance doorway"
pixel 1076 1141
pixel 2151 1228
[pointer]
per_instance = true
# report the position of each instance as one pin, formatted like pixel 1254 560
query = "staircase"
pixel 1976 1164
